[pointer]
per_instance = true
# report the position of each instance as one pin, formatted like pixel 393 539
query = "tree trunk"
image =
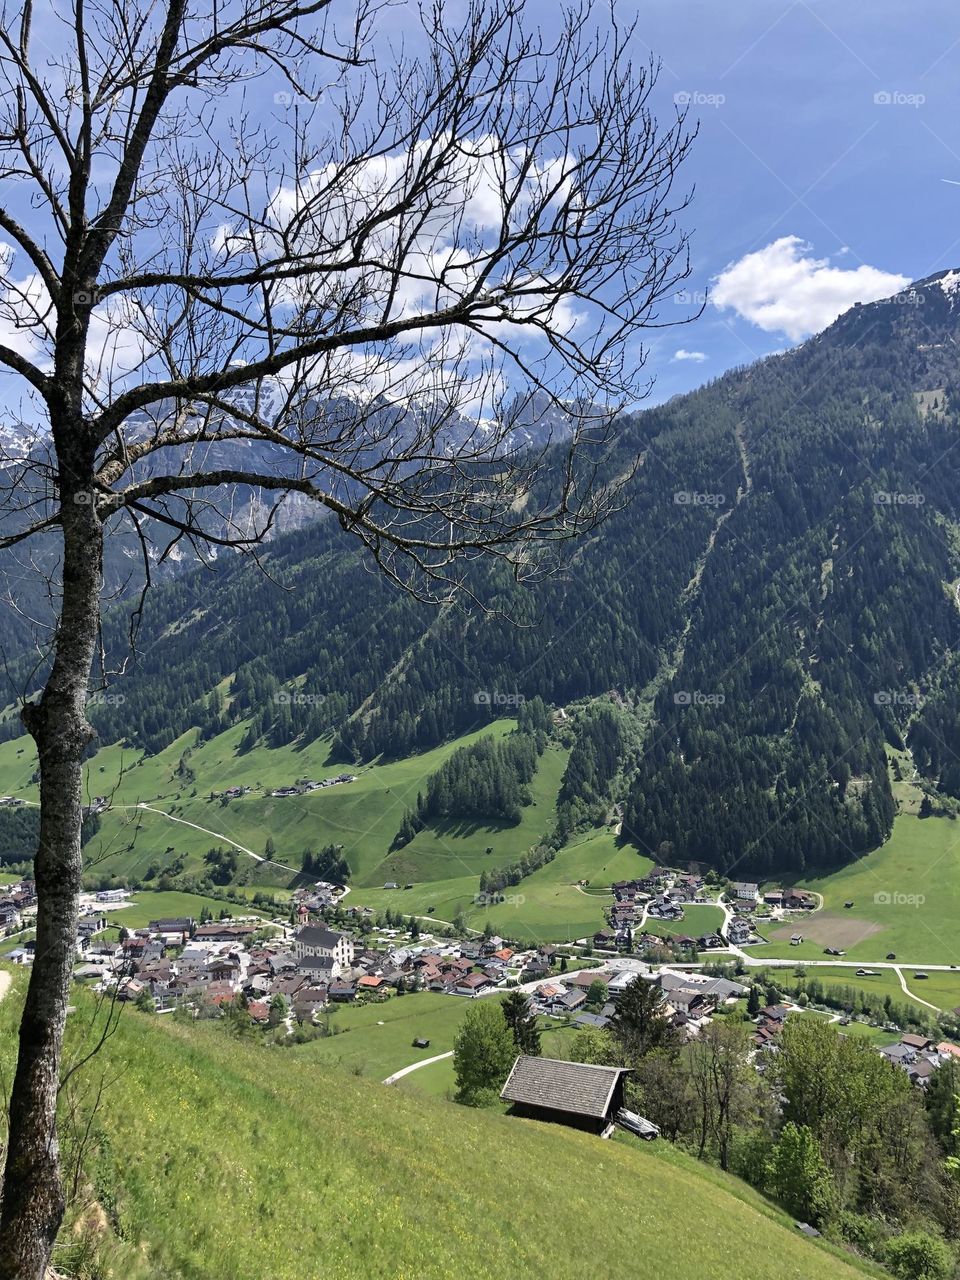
pixel 32 1196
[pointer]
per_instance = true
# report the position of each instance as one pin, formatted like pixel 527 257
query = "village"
pixel 276 973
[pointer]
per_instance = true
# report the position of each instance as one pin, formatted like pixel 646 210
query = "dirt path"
pixel 415 1066
pixel 257 857
pixel 912 994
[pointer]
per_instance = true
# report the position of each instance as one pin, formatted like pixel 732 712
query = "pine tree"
pixel 522 1023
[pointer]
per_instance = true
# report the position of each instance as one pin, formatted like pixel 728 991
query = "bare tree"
pixel 273 244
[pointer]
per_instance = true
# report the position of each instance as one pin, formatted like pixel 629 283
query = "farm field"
pixel 905 895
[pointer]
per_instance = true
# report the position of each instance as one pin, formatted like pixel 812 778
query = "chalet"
pixel 775 1013
pixel 571 1002
pixel 370 984
pixel 342 992
pixel 773 897
pixel 9 914
pixel 605 938
pixel 593 1021
pixel 585 980
pixel 313 940
pixel 578 1094
pixel 739 932
pixel 308 1001
pixel 472 984
pixel 922 1044
pixel 710 942
pixel 745 891
pixel 798 900
pixel 259 1012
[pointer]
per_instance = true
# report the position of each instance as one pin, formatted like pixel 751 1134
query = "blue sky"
pixel 832 123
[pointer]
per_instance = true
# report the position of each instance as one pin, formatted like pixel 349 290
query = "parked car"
pixel 921 975
pixel 633 1123
pixel 891 955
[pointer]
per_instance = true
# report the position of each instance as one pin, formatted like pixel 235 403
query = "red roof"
pixel 258 1011
pixel 369 981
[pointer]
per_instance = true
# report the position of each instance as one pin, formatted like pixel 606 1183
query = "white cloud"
pixel 784 289
pixel 697 357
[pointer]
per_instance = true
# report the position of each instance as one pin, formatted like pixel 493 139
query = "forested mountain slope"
pixel 776 602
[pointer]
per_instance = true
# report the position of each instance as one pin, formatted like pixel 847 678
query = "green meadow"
pixel 217 1158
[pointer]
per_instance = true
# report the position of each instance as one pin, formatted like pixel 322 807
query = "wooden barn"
pixel 573 1093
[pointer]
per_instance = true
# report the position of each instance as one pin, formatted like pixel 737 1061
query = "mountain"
pixel 775 611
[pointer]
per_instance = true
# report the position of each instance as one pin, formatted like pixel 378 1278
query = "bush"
pixel 918 1256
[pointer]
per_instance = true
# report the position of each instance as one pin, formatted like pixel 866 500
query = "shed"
pixel 574 1093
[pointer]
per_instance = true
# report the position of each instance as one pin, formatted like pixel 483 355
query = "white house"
pixel 746 892
pixel 314 940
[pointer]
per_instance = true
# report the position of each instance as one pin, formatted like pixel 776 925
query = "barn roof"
pixel 576 1087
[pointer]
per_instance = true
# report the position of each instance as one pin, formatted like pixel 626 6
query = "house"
pixel 571 1001
pixel 342 992
pixel 595 1021
pixel 605 938
pixel 578 1094
pixel 798 900
pixel 746 891
pixel 922 1044
pixel 313 940
pixel 472 984
pixel 318 967
pixel 259 1012
pixel 739 932
pixel 9 914
pixel 308 1001
pixel 370 983
pixel 775 1013
pixel 773 897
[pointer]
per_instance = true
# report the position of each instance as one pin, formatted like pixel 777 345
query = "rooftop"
pixel 577 1087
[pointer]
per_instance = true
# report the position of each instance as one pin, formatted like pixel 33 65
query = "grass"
pixel 366 1048
pixel 698 919
pixel 201 1132
pixel 940 988
pixel 909 889
pixel 147 905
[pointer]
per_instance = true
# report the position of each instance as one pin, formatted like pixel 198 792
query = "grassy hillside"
pixel 905 896
pixel 217 1159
